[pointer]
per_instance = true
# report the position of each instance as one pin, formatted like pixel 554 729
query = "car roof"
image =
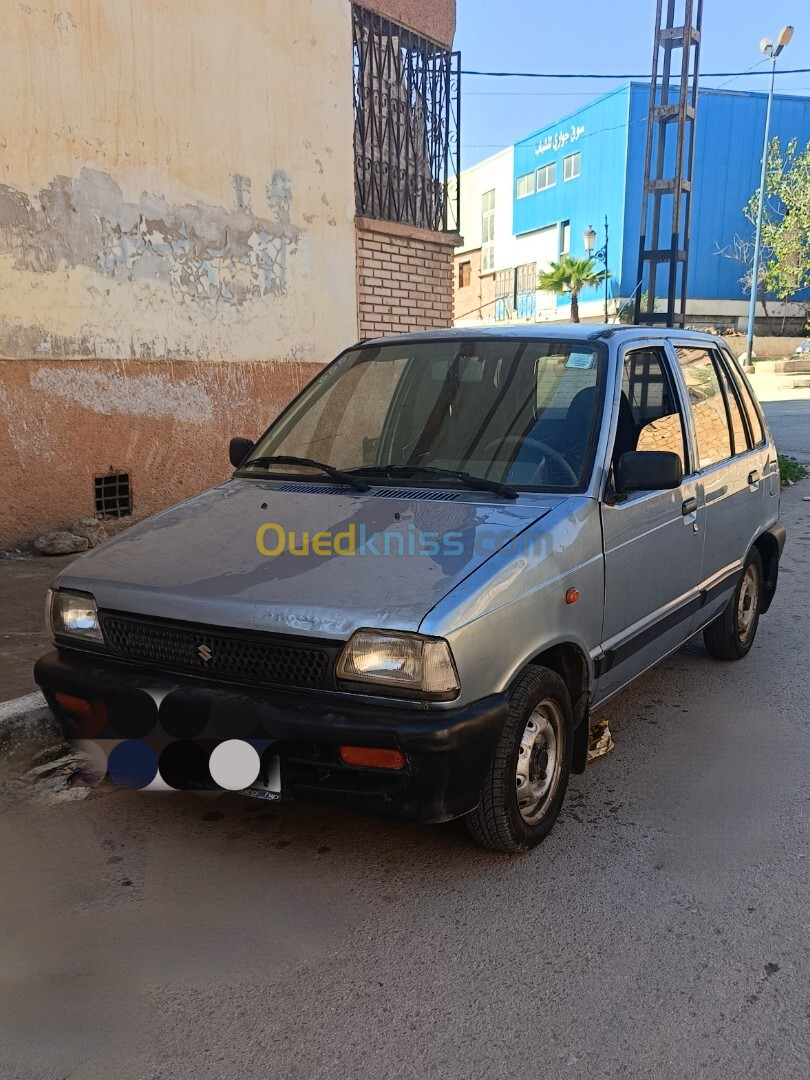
pixel 543 332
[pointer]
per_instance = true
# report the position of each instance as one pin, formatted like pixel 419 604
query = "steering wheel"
pixel 544 448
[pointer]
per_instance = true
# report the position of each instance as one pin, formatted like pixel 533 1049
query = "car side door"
pixel 733 471
pixel 653 540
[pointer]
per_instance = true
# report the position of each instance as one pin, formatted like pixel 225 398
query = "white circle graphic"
pixel 234 765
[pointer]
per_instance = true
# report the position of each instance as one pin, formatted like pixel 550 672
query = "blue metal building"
pixel 591 164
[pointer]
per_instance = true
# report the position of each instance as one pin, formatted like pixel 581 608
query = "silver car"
pixel 422 581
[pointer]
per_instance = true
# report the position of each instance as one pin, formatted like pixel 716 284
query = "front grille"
pixel 207 650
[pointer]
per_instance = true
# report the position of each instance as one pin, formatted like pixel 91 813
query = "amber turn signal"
pixel 74 704
pixel 572 596
pixel 86 718
pixel 370 757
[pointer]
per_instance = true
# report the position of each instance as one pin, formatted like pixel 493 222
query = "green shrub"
pixel 790 470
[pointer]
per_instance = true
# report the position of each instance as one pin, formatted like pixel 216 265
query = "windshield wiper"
pixel 479 483
pixel 288 459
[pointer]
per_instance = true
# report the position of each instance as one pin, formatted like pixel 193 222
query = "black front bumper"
pixel 447 750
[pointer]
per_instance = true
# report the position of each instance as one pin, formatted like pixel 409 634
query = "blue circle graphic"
pixel 132 764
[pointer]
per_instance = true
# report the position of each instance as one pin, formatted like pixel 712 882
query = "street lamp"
pixel 770 50
pixel 589 236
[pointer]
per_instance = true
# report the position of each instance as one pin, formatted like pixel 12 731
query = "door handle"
pixel 753 477
pixel 689 506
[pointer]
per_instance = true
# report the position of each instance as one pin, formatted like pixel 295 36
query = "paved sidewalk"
pixel 24 580
pixel 784 388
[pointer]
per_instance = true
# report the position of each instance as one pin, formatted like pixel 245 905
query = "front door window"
pixel 649 418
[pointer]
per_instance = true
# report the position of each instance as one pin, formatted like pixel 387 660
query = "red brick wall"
pixel 435 19
pixel 404 278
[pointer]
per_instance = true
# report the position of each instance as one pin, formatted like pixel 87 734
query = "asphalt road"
pixel 789 420
pixel 661 931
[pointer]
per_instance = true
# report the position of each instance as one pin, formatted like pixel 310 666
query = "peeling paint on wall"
pixel 162 179
pixel 174 264
pixel 205 253
pixel 155 396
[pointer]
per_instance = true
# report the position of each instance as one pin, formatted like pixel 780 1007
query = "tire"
pixel 731 635
pixel 534 753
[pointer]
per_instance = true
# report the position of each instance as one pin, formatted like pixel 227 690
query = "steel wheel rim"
pixel 747 604
pixel 539 760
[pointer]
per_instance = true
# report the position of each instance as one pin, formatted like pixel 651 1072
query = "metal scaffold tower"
pixel 664 238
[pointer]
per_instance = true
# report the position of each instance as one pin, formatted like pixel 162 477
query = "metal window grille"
pixel 113 494
pixel 406 125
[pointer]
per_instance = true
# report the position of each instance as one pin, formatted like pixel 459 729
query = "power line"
pixel 583 93
pixel 590 75
pixel 641 119
pixel 573 93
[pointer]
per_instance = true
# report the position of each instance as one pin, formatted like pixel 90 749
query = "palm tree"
pixel 571 275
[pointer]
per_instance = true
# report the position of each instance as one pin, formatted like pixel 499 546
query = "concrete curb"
pixel 27 726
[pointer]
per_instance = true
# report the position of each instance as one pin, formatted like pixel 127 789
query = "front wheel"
pixel 525 785
pixel 731 635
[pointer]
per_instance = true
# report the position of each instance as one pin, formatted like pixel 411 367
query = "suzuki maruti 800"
pixel 423 579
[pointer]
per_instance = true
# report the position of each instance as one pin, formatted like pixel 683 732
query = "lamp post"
pixel 770 50
pixel 601 255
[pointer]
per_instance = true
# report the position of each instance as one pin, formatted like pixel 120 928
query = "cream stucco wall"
pixel 176 179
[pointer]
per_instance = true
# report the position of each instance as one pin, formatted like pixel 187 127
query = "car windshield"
pixel 517 412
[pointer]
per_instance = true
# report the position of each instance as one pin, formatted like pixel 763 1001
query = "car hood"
pixel 200 561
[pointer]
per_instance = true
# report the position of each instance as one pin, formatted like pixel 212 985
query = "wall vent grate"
pixel 113 494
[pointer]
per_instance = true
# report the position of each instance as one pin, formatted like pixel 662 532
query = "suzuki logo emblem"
pixel 205 652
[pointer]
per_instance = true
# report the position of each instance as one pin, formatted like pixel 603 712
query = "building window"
pixel 488 231
pixel 525 186
pixel 526 291
pixel 565 238
pixel 547 176
pixel 571 166
pixel 504 295
pixel 463 275
pixel 406 110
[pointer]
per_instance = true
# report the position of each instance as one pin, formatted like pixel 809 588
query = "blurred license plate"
pixel 270 790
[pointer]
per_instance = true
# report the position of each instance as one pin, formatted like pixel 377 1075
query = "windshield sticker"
pixel 580 360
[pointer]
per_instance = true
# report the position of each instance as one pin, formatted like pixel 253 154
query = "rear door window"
pixel 751 411
pixel 707 402
pixel 735 413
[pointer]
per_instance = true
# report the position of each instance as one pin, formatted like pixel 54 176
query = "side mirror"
pixel 238 450
pixel 648 470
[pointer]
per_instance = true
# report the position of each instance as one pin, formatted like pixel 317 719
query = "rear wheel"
pixel 525 786
pixel 731 635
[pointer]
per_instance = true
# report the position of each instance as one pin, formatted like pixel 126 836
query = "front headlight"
pixel 73 614
pixel 404 661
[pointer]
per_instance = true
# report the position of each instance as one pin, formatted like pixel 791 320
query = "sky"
pixel 601 38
